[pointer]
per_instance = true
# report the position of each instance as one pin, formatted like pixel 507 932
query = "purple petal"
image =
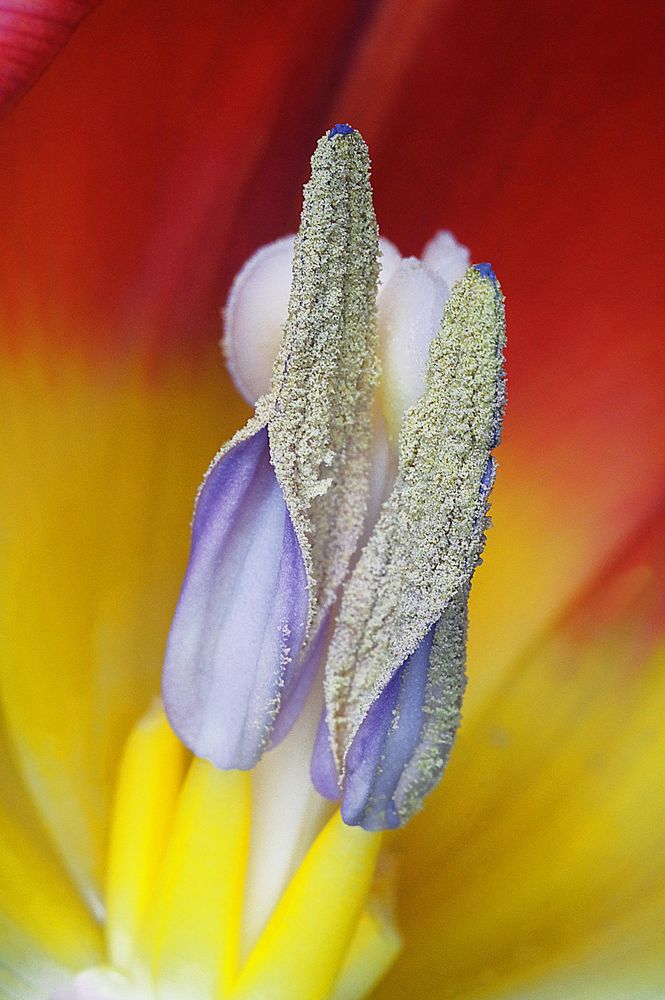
pixel 240 622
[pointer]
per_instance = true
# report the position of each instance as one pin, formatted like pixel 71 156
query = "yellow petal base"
pixel 175 888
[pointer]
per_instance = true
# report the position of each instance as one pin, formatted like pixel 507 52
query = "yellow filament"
pixel 301 951
pixel 375 946
pixel 198 904
pixel 150 776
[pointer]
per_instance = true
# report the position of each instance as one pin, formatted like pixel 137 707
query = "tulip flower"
pixel 155 155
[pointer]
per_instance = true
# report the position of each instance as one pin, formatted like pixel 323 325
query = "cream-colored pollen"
pixel 326 371
pixel 442 708
pixel 430 534
pixel 319 406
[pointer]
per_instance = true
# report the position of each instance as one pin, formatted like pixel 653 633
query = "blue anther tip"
pixel 486 271
pixel 340 129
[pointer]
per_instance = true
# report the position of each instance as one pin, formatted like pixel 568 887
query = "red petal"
pixel 165 144
pixel 535 133
pixel 31 34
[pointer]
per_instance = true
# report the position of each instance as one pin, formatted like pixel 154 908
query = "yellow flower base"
pixel 175 890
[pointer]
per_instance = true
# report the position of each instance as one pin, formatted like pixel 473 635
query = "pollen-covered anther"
pixel 404 607
pixel 281 509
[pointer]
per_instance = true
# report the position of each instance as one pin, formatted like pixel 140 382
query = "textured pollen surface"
pixel 429 537
pixel 442 708
pixel 326 370
pixel 318 408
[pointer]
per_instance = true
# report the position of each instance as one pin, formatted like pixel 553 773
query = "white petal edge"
pixel 256 311
pixel 410 307
pixel 446 257
pixel 255 315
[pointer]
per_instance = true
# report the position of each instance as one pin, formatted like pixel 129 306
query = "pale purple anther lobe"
pixel 299 683
pixel 240 622
pixel 384 745
pixel 381 750
pixel 323 770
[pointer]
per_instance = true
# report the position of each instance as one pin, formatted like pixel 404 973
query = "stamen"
pixel 150 776
pixel 293 485
pixel 418 563
pixel 320 428
pixel 195 926
pixel 178 886
pixel 316 916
